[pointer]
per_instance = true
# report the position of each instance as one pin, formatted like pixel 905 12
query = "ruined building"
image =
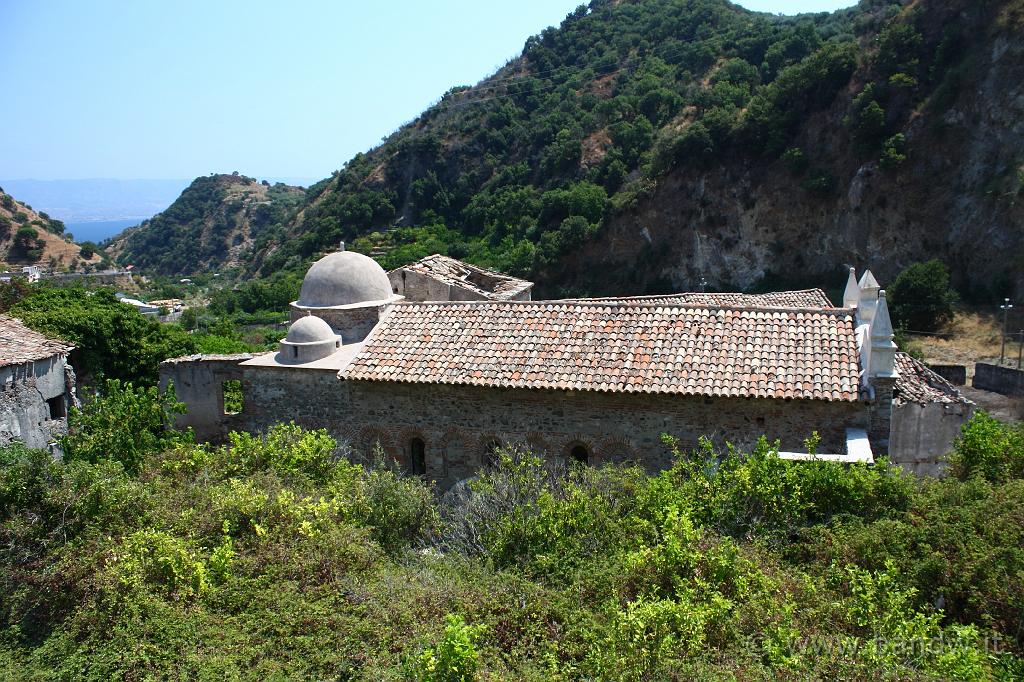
pixel 439 362
pixel 37 386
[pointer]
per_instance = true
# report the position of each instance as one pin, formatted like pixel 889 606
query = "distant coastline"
pixel 98 230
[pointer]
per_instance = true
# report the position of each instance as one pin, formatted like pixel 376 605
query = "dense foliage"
pixel 921 297
pixel 112 340
pixel 276 556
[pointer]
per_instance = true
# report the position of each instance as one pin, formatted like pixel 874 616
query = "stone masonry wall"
pixel 458 424
pixel 25 414
pixel 199 383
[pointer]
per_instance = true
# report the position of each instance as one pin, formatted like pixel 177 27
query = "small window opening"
pixel 232 390
pixel 295 351
pixel 580 454
pixel 56 406
pixel 418 457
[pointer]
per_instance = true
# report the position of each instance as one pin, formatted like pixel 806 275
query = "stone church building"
pixel 439 362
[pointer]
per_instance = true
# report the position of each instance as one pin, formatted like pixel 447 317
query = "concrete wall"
pixel 922 435
pixel 199 383
pixel 998 379
pixel 458 423
pixel 25 415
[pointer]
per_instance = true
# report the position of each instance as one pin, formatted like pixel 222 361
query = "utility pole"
pixel 1002 346
pixel 1020 346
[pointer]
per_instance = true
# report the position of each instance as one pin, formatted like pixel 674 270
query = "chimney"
pixel 867 298
pixel 851 297
pixel 341 247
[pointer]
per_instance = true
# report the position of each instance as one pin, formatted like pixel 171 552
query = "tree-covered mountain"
pixel 214 220
pixel 644 145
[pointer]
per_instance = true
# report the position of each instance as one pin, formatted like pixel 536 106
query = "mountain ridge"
pixel 642 147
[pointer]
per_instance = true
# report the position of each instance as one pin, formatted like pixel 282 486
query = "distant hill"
pixel 645 145
pixel 28 237
pixel 213 221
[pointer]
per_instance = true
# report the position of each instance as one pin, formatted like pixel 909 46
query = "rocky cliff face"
pixel 959 196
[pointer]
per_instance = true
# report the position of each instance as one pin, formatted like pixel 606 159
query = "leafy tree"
pixel 125 424
pixel 921 298
pixel 112 340
pixel 989 449
pixel 89 249
pixel 894 151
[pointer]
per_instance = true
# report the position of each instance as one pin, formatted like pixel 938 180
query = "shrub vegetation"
pixel 278 555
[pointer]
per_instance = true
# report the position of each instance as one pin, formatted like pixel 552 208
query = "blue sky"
pixel 269 88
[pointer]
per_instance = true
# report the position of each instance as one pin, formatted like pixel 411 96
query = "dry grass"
pixel 971 337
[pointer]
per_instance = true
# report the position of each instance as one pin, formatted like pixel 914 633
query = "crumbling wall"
pixel 199 383
pixel 416 286
pixel 922 435
pixel 25 414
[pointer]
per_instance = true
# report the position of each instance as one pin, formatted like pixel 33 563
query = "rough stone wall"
pixel 880 415
pixel 459 423
pixel 25 415
pixel 921 435
pixel 998 379
pixel 352 323
pixel 199 383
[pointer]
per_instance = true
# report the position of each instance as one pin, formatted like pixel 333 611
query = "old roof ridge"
pixel 618 303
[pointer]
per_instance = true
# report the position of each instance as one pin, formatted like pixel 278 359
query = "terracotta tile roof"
pixel 805 298
pixel 19 344
pixel 487 283
pixel 918 384
pixel 587 346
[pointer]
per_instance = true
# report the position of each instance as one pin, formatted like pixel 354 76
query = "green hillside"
pixel 214 220
pixel 642 146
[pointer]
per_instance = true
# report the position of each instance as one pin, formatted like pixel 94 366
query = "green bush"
pixel 454 659
pixel 920 298
pixel 124 424
pixel 990 449
pixel 113 340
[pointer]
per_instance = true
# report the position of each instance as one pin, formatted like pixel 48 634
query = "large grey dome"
pixel 344 278
pixel 310 330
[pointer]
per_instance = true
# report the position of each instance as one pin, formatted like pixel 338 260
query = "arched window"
pixel 579 453
pixel 418 457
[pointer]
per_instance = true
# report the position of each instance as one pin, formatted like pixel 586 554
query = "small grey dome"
pixel 310 329
pixel 344 278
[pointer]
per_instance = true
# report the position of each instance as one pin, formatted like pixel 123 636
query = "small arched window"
pixel 418 457
pixel 579 453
